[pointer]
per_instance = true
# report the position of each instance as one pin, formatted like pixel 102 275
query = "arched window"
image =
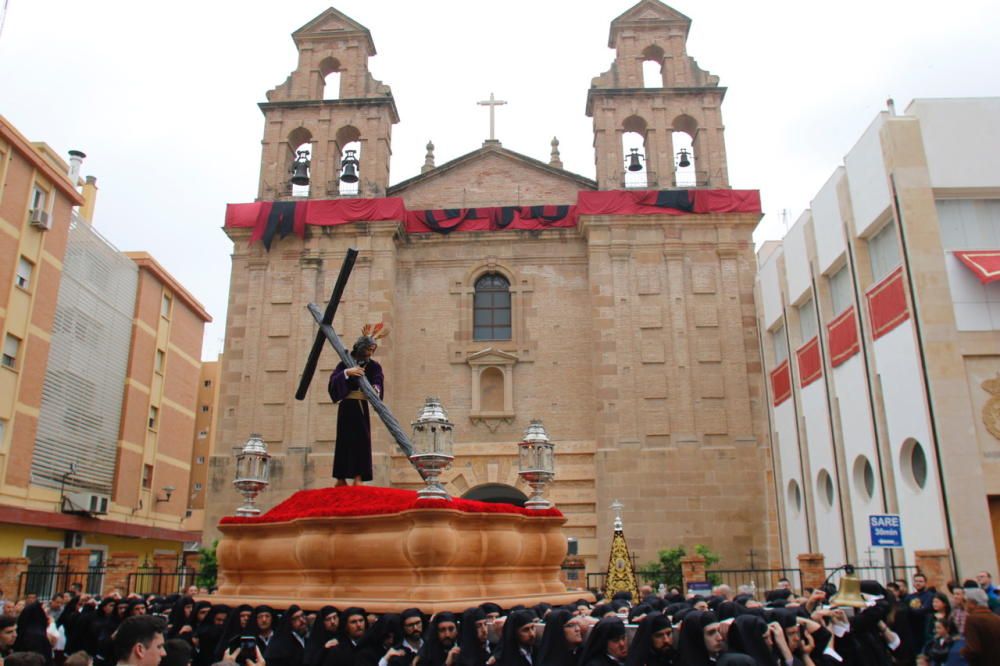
pixel 300 139
pixel 652 67
pixel 350 147
pixel 634 150
pixel 329 70
pixel 491 308
pixel 685 128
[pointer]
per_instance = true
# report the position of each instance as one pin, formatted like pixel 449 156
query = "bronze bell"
pixel 849 591
pixel 633 160
pixel 300 168
pixel 350 167
pixel 684 161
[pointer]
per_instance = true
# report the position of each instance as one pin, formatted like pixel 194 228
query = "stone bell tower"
pixel 303 113
pixel 688 99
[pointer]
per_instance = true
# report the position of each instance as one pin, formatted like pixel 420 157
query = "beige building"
pixel 97 388
pixel 631 335
pixel 880 317
pixel 204 438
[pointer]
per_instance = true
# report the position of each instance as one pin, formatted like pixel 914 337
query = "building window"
pixel 154 416
pixel 147 476
pixel 807 320
pixel 840 290
pixel 3 430
pixel 11 348
pixel 161 360
pixel 864 478
pixel 883 251
pixel 24 270
pixel 197 486
pixel 165 305
pixel 203 434
pixel 780 345
pixel 794 497
pixel 38 198
pixel 491 308
pixel 207 383
pixel 825 490
pixel 204 409
pixel 200 460
pixel 913 462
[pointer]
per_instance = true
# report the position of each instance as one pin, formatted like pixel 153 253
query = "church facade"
pixel 619 313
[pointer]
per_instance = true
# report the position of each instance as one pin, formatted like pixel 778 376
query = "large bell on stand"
pixel 300 168
pixel 633 160
pixel 849 590
pixel 349 165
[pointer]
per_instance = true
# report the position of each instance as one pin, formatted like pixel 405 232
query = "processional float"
pixel 387 548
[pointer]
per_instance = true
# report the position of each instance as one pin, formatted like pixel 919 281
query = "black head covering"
pixel 490 607
pixel 318 637
pixel 471 650
pixel 624 595
pixel 600 610
pixel 284 648
pixel 641 609
pixel 209 636
pixel 691 641
pixel 345 615
pixel 554 649
pixel 510 654
pixel 133 604
pixel 673 609
pixel 596 646
pixel 433 652
pixel 232 630
pixel 177 619
pixel 31 626
pixel 541 609
pixel 746 636
pixel 728 609
pixel 388 625
pixel 640 652
pixel 778 595
pixel 736 659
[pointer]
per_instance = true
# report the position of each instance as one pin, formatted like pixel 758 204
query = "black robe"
pixel 352 455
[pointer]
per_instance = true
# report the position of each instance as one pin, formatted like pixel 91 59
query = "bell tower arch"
pixel 689 100
pixel 300 114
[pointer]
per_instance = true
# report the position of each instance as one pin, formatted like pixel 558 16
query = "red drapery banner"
pixel 842 336
pixel 493 218
pixel 887 304
pixel 810 364
pixel 644 202
pixel 781 383
pixel 984 263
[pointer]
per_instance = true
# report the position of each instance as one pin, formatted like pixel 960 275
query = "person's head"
pixel 573 631
pixel 984 579
pixel 264 616
pixel 902 586
pixel 297 622
pixel 219 618
pixel 976 597
pixel 617 642
pixel 354 622
pixel 80 658
pixel 330 617
pixel 793 636
pixel 202 612
pixel 784 584
pixel 8 632
pixel 55 603
pixel 139 640
pixel 178 653
pixel 919 582
pixel 940 603
pixel 413 624
pixel 958 596
pixel 446 632
pixel 24 659
pixel 364 347
pixel 30 598
pixel 492 610
pixel 943 628
pixel 245 615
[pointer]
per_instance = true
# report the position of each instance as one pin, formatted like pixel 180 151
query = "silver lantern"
pixel 253 472
pixel 433 437
pixel 536 463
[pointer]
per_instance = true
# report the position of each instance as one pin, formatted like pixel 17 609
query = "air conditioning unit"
pixel 39 218
pixel 88 503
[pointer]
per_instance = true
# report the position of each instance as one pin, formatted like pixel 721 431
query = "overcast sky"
pixel 163 96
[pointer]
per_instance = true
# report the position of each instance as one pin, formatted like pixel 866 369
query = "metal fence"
pixel 154 580
pixel 46 580
pixel 757 579
pixel 883 573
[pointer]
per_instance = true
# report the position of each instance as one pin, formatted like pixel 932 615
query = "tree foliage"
pixel 208 572
pixel 667 568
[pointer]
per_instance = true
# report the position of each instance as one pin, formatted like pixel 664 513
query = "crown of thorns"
pixel 374 331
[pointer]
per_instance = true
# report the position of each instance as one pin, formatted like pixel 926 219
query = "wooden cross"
pixel 325 322
pixel 492 102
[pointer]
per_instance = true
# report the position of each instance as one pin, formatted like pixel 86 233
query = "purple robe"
pixel 352 454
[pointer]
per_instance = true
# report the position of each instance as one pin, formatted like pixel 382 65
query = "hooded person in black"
pixel 238 623
pixel 378 640
pixel 71 621
pixel 747 636
pixel 606 645
pixel 99 625
pixel 353 625
pixel 263 622
pixel 325 629
pixel 288 647
pixel 652 644
pixel 561 644
pixel 517 641
pixel 32 624
pixel 474 648
pixel 209 634
pixel 181 621
pixel 439 638
pixel 699 630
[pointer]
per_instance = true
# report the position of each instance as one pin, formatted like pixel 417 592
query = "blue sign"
pixel 886 530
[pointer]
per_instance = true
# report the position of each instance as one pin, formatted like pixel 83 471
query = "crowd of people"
pixel 898 625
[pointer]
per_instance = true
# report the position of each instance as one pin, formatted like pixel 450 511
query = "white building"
pixel 880 330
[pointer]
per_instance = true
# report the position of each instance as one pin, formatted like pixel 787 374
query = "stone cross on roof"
pixel 492 102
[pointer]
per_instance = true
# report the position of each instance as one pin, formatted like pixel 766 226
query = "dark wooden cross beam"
pixel 325 322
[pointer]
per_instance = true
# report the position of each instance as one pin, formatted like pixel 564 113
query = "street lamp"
pixel 433 437
pixel 536 463
pixel 252 474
